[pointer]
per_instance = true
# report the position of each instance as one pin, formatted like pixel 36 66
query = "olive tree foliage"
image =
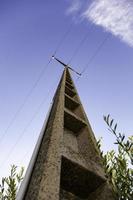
pixel 119 165
pixel 9 185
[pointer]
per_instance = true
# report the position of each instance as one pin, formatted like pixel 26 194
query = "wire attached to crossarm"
pixel 65 65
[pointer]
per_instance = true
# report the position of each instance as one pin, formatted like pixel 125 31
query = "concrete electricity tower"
pixel 66 163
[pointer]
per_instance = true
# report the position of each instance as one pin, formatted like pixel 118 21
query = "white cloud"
pixel 116 16
pixel 74 7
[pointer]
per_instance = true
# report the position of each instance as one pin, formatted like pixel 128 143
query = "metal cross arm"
pixel 65 65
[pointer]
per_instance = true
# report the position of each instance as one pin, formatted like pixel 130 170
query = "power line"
pixel 100 46
pixel 25 100
pixel 79 46
pixel 25 128
pixel 34 85
pixel 96 52
pixel 62 39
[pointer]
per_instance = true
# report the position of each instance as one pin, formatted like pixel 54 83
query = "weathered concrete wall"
pixel 45 180
pixel 82 174
pixel 103 193
pixel 64 195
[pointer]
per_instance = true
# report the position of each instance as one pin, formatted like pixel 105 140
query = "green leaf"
pixel 115 127
pixel 111 122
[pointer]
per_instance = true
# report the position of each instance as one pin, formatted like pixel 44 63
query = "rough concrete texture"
pixel 77 179
pixel 45 179
pixel 103 193
pixel 68 165
pixel 64 195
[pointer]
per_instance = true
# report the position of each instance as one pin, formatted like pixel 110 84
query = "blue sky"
pixel 30 32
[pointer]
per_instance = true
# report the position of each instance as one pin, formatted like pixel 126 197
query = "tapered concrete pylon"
pixel 66 164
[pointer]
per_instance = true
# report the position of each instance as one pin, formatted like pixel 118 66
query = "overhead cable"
pixel 79 46
pixel 34 85
pixel 96 52
pixel 24 102
pixel 25 128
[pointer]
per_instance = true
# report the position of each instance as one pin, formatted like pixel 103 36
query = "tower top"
pixel 66 65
